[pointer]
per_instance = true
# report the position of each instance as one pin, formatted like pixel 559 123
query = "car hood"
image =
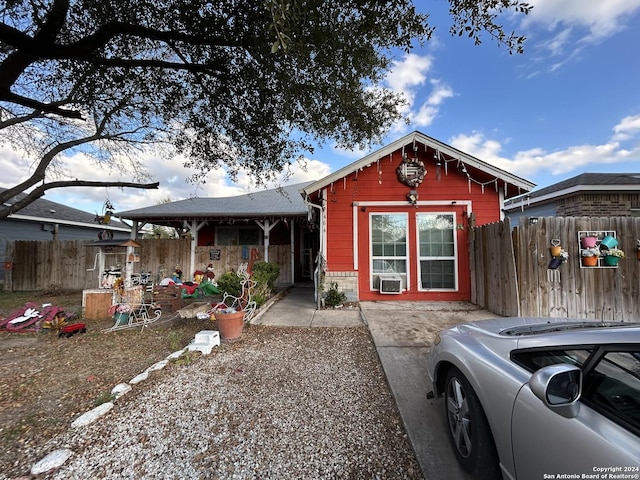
pixel 518 326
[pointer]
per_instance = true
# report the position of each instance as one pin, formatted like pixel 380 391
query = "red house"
pixel 394 224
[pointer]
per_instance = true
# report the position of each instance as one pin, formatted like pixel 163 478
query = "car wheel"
pixel 468 428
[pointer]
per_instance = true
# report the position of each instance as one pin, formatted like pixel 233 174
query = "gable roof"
pixel 472 164
pixel 42 210
pixel 277 202
pixel 585 182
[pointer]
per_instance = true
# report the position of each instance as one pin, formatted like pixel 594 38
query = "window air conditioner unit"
pixel 390 284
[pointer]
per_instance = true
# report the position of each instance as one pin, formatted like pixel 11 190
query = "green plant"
pixel 265 275
pixel 229 283
pixel 174 341
pixel 334 297
pixel 104 398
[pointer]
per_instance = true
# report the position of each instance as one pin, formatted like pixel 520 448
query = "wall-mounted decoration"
pixel 558 254
pixel 411 172
pixel 599 249
pixel 612 256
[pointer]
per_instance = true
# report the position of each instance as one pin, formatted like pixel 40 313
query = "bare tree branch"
pixel 35 194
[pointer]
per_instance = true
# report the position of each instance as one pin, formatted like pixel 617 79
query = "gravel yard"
pixel 278 403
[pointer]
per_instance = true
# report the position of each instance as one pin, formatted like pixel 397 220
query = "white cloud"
pixel 429 110
pixel 409 77
pixel 627 128
pixel 409 73
pixel 576 24
pixel 573 159
pixel 600 18
pixel 171 174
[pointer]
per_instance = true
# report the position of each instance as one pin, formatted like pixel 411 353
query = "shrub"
pixel 334 297
pixel 265 275
pixel 229 283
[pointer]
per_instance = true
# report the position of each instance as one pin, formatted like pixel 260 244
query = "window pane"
pixel 388 246
pixel 226 236
pixel 537 359
pixel 613 388
pixel 249 236
pixel 438 274
pixel 436 247
pixel 238 236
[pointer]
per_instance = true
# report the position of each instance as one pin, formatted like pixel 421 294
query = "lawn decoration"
pixel 135 308
pixel 32 318
pixel 233 311
pixel 107 213
pixel 70 330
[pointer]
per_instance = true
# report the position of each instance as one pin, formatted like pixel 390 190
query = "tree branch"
pixel 39 192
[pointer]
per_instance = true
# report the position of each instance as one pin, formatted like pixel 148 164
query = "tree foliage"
pixel 249 85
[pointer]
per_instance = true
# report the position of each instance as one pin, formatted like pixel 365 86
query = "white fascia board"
pixel 516 202
pixel 379 155
pixel 67 222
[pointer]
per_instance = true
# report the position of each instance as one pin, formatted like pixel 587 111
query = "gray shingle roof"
pixel 283 201
pixel 59 213
pixel 592 182
pixel 591 179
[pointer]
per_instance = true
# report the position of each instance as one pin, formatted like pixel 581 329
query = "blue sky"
pixel 569 105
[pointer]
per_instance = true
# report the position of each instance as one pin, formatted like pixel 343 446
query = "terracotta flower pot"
pixel 590 261
pixel 555 251
pixel 230 325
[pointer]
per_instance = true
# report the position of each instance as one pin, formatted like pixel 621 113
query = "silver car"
pixel 541 398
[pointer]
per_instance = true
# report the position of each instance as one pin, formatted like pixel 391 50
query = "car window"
pixel 534 360
pixel 612 388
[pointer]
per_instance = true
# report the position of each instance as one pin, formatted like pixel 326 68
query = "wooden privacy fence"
pixel 74 265
pixel 493 269
pixel 533 289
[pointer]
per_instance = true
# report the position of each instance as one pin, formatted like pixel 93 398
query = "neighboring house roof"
pixel 585 182
pixel 42 210
pixel 517 184
pixel 277 202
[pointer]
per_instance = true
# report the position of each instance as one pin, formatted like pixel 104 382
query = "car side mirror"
pixel 559 387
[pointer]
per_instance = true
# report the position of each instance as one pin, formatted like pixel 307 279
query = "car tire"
pixel 469 430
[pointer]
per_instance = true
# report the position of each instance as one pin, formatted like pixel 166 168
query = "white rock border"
pixel 57 458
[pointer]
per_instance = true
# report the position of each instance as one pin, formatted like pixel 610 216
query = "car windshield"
pixel 560 327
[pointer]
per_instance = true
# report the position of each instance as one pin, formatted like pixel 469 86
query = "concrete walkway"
pixel 402 333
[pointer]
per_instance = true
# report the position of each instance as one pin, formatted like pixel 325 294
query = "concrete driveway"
pixel 402 333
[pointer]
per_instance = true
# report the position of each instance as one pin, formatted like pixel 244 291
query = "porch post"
pixel 128 266
pixel 266 228
pixel 194 227
pixel 293 248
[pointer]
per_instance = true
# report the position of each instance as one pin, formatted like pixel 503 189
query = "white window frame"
pixel 407 258
pixel 420 258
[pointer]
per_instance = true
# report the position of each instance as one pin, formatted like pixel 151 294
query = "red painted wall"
pixel 379 183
